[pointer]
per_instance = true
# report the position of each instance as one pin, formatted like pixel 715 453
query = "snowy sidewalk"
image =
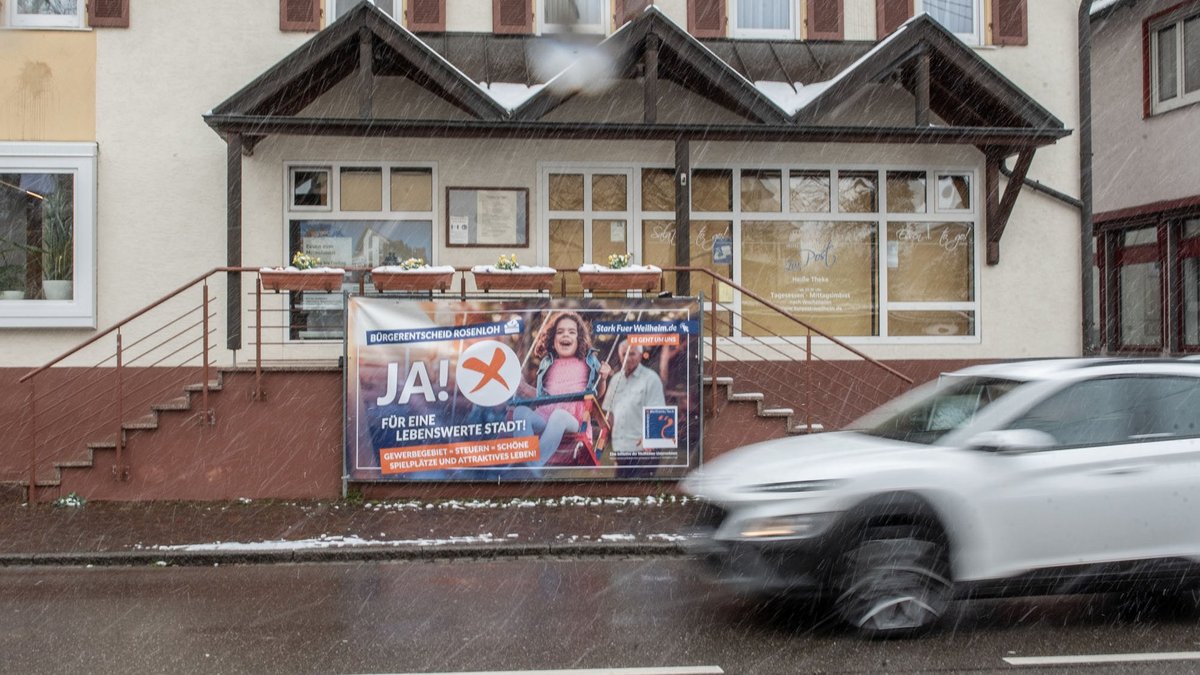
pixel 245 531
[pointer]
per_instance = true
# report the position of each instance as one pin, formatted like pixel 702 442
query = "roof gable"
pixel 334 54
pixel 681 58
pixel 964 89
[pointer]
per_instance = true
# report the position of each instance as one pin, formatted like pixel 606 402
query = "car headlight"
pixel 807 525
pixel 795 486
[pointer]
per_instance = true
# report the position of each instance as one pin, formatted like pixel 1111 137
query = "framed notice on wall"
pixel 495 217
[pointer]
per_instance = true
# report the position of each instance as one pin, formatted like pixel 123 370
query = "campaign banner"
pixel 531 389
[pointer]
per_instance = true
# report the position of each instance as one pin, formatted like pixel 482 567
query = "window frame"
pixel 18 20
pixel 602 28
pixel 78 159
pixel 335 14
pixel 1153 26
pixel 294 302
pixel 737 217
pixel 789 33
pixel 975 37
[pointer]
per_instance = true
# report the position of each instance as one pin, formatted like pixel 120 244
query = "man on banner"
pixel 630 391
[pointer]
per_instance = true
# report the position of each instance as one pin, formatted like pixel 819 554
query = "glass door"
pixel 589 212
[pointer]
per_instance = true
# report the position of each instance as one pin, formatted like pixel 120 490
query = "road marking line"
pixel 1101 658
pixel 667 670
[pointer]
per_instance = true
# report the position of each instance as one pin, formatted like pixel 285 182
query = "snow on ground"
pixel 328 541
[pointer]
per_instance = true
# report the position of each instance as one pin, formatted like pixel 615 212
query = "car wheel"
pixel 896 582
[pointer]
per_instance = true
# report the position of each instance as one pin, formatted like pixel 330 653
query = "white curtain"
pixel 958 16
pixel 764 14
pixel 565 12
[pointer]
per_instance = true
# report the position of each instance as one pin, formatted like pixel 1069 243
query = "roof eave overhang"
pixel 259 126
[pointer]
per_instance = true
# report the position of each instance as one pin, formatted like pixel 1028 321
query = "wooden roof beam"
pixel 999 208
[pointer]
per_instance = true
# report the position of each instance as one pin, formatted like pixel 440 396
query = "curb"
pixel 339 554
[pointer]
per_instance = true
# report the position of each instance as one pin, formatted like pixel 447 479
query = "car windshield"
pixel 950 405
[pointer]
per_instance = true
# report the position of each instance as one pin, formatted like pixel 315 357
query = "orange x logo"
pixel 490 371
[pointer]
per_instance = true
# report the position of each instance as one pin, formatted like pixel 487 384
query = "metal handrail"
pixel 123 357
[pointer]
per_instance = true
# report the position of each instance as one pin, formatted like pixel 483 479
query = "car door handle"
pixel 1122 470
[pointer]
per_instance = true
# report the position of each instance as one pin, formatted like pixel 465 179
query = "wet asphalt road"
pixel 513 614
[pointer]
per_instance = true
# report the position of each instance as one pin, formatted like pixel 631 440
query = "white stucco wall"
pixel 162 177
pixel 1138 160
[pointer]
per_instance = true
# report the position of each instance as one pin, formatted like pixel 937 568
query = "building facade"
pixel 885 244
pixel 1146 87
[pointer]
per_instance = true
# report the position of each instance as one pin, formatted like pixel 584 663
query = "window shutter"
pixel 426 16
pixel 108 13
pixel 1010 22
pixel 889 14
pixel 706 18
pixel 300 15
pixel 627 10
pixel 512 17
pixel 825 20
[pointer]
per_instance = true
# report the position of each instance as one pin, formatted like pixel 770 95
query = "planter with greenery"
pixel 304 274
pixel 58 245
pixel 509 275
pixel 620 275
pixel 412 275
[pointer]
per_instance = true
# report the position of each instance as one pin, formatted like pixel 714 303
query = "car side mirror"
pixel 1012 441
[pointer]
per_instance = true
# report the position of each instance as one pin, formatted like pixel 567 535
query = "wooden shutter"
pixel 706 18
pixel 512 17
pixel 426 16
pixel 300 15
pixel 627 10
pixel 108 13
pixel 1010 22
pixel 825 20
pixel 889 14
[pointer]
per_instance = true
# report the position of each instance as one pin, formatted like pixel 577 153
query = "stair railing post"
pixel 258 392
pixel 204 368
pixel 712 358
pixel 120 441
pixel 808 382
pixel 32 442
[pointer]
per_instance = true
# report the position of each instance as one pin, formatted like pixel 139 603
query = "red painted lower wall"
pixel 288 445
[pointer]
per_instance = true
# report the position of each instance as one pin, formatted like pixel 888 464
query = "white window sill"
pixel 73 29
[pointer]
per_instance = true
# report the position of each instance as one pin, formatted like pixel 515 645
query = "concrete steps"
pixel 146 423
pixel 762 410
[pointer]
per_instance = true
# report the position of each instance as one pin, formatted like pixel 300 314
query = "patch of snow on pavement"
pixel 325 541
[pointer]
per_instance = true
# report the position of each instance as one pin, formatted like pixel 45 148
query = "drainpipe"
pixel 1086 228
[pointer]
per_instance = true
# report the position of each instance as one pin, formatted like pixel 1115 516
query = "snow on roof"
pixel 1101 5
pixel 510 95
pixel 791 97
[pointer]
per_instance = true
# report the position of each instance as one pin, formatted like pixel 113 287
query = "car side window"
pixel 1095 412
pixel 1118 410
pixel 1166 407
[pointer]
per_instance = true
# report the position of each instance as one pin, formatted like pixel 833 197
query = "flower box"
pixel 488 278
pixel 327 279
pixel 396 278
pixel 632 278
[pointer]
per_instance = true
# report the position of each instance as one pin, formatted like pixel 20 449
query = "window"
pixel 872 253
pixel 342 7
pixel 964 18
pixel 47 233
pixel 763 18
pixel 1118 410
pixel 586 16
pixel 1139 289
pixel 45 13
pixel 589 217
pixel 1175 61
pixel 360 215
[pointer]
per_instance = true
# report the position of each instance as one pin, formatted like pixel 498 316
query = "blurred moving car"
pixel 1026 478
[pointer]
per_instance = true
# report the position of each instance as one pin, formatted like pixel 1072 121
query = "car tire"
pixel 895 581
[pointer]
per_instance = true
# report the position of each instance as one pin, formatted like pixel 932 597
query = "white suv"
pixel 1028 478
